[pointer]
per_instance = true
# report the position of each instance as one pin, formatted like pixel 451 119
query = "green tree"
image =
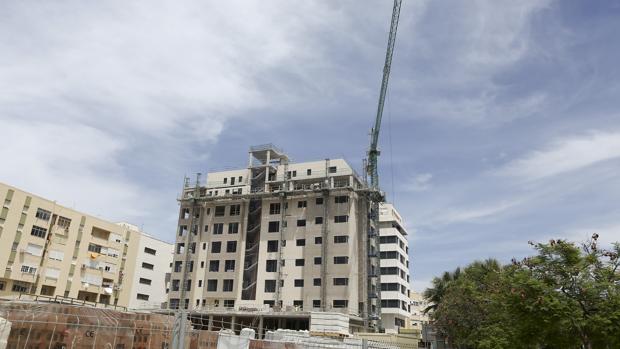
pixel 566 296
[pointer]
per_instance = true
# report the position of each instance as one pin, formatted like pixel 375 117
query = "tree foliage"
pixel 565 296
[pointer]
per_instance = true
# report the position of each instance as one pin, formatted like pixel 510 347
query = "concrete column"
pixel 210 325
pixel 250 160
pixel 233 323
pixel 260 327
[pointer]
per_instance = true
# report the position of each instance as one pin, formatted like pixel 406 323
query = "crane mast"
pixel 373 152
pixel 375 197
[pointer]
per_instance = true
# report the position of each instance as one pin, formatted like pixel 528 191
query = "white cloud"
pixel 97 99
pixel 565 155
pixel 419 182
pixel 478 213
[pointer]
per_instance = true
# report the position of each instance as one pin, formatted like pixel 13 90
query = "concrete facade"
pixel 55 251
pixel 281 237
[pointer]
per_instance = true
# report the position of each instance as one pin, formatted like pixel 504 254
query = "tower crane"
pixel 373 152
pixel 373 267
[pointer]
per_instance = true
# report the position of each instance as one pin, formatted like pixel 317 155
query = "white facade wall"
pixel 161 262
pixel 392 228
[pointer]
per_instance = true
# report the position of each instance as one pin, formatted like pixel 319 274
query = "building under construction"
pixel 286 239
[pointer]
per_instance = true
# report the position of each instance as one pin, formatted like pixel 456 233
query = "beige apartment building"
pixel 285 240
pixel 51 250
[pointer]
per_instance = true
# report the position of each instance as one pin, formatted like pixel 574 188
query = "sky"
pixel 502 122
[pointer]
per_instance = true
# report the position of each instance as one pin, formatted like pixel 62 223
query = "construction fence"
pixel 53 326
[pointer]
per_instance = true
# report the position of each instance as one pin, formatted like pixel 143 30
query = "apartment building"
pixel 284 239
pixel 51 250
pixel 394 255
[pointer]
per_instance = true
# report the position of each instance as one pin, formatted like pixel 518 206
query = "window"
pixel 218 228
pixel 341 239
pixel 175 285
pixel 150 251
pixel 43 214
pixel 308 172
pixel 318 240
pixel 225 180
pixel 216 246
pixel 229 265
pixel 271 266
pixel 227 285
pixel 301 222
pixel 389 255
pixel 341 281
pixel 318 260
pixel 302 204
pixel 399 322
pixel 299 262
pixel 318 220
pixel 274 227
pixel 340 303
pixel 233 228
pixel 319 201
pixel 341 199
pixel 56 255
pixel 220 211
pixel 332 169
pixel 341 219
pixel 95 248
pixel 270 286
pixel 34 249
pixel 214 266
pixel 185 213
pixel 202 264
pixel 392 239
pixel 392 286
pixel 178 265
pixel 298 304
pixel 341 260
pixel 204 246
pixel 229 303
pixel 19 288
pixel 182 230
pixel 272 246
pixel 316 303
pixel 211 285
pixel 389 271
pixel 231 246
pixel 301 242
pixel 145 281
pixel 148 266
pixel 274 208
pixel 235 210
pixel 390 303
pixel 28 269
pixel 232 180
pixel 299 282
pixel 38 231
pixel 316 281
pixel 63 222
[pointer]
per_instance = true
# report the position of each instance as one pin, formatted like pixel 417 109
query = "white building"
pixel 395 288
pixel 153 262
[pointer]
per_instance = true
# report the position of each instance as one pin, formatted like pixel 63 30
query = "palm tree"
pixel 435 293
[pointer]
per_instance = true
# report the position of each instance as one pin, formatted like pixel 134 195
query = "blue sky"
pixel 502 123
